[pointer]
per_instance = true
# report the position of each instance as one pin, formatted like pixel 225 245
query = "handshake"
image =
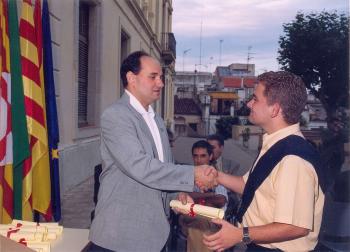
pixel 205 177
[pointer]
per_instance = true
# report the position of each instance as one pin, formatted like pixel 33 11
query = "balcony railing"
pixel 168 47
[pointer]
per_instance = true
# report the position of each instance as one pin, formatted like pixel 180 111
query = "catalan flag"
pixel 36 174
pixel 6 152
pixel 42 199
pixel 51 112
pixel 27 93
pixel 19 124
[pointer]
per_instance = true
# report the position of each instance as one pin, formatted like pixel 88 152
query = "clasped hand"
pixel 205 177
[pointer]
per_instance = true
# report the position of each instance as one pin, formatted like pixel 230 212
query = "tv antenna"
pixel 249 57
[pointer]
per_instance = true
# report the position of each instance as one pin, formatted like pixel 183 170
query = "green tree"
pixel 243 110
pixel 315 46
pixel 224 126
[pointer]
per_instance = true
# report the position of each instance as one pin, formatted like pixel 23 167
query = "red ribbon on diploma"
pixel 191 213
pixel 23 241
pixel 11 231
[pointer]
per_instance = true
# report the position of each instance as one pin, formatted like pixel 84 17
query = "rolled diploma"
pixel 22 222
pixel 54 229
pixel 209 212
pixel 28 236
pixel 6 226
pixel 32 229
pixel 50 236
pixel 51 227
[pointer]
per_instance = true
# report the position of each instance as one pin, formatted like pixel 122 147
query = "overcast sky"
pixel 239 24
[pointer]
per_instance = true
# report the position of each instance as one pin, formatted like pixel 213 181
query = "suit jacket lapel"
pixel 146 130
pixel 144 127
pixel 163 137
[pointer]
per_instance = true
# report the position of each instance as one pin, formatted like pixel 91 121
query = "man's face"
pixel 260 111
pixel 217 148
pixel 200 156
pixel 147 85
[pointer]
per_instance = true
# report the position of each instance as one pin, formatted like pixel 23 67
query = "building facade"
pixel 237 77
pixel 90 39
pixel 188 117
pixel 189 84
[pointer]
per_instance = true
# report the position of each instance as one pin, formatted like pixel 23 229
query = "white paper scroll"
pixel 209 212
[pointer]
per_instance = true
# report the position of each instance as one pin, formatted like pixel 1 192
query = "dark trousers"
pixel 92 247
pixel 253 247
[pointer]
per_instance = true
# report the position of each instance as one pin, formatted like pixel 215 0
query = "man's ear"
pixel 276 110
pixel 211 157
pixel 130 77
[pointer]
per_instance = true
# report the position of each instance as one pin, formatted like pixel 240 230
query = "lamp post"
pixel 183 58
pixel 221 40
pixel 197 74
pixel 184 52
pixel 210 63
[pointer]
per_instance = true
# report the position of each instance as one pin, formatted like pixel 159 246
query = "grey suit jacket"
pixel 229 166
pixel 131 210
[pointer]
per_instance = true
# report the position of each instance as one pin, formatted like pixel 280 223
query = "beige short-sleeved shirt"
pixel 290 194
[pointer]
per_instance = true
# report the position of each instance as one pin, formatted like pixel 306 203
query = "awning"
pixel 224 95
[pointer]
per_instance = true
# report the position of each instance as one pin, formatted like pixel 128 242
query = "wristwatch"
pixel 246 238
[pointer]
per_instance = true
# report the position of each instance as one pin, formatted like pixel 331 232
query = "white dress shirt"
pixel 148 116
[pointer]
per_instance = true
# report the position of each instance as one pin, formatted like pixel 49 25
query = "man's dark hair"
pixel 204 145
pixel 286 89
pixel 131 63
pixel 218 138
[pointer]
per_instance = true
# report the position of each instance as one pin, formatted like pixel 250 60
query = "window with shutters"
pixel 83 64
pixel 124 51
pixel 88 91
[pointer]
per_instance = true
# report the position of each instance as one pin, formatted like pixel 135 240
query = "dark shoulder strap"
pixel 290 145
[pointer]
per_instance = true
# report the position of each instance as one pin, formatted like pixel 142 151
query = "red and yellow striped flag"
pixel 42 199
pixel 6 154
pixel 36 171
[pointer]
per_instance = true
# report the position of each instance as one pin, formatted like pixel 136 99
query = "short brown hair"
pixel 286 89
pixel 204 145
pixel 131 63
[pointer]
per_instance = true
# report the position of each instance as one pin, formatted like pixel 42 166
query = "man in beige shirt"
pixel 285 212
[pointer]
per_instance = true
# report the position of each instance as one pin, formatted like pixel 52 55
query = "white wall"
pixel 79 147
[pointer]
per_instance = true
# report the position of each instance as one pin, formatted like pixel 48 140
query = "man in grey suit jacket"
pixel 225 165
pixel 138 170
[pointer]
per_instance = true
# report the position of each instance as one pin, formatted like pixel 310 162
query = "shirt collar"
pixel 218 162
pixel 271 139
pixel 136 104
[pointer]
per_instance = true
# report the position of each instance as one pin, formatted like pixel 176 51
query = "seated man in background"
pixel 202 153
pixel 228 166
pixel 225 165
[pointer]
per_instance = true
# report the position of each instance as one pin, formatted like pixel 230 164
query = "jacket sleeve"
pixel 127 149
